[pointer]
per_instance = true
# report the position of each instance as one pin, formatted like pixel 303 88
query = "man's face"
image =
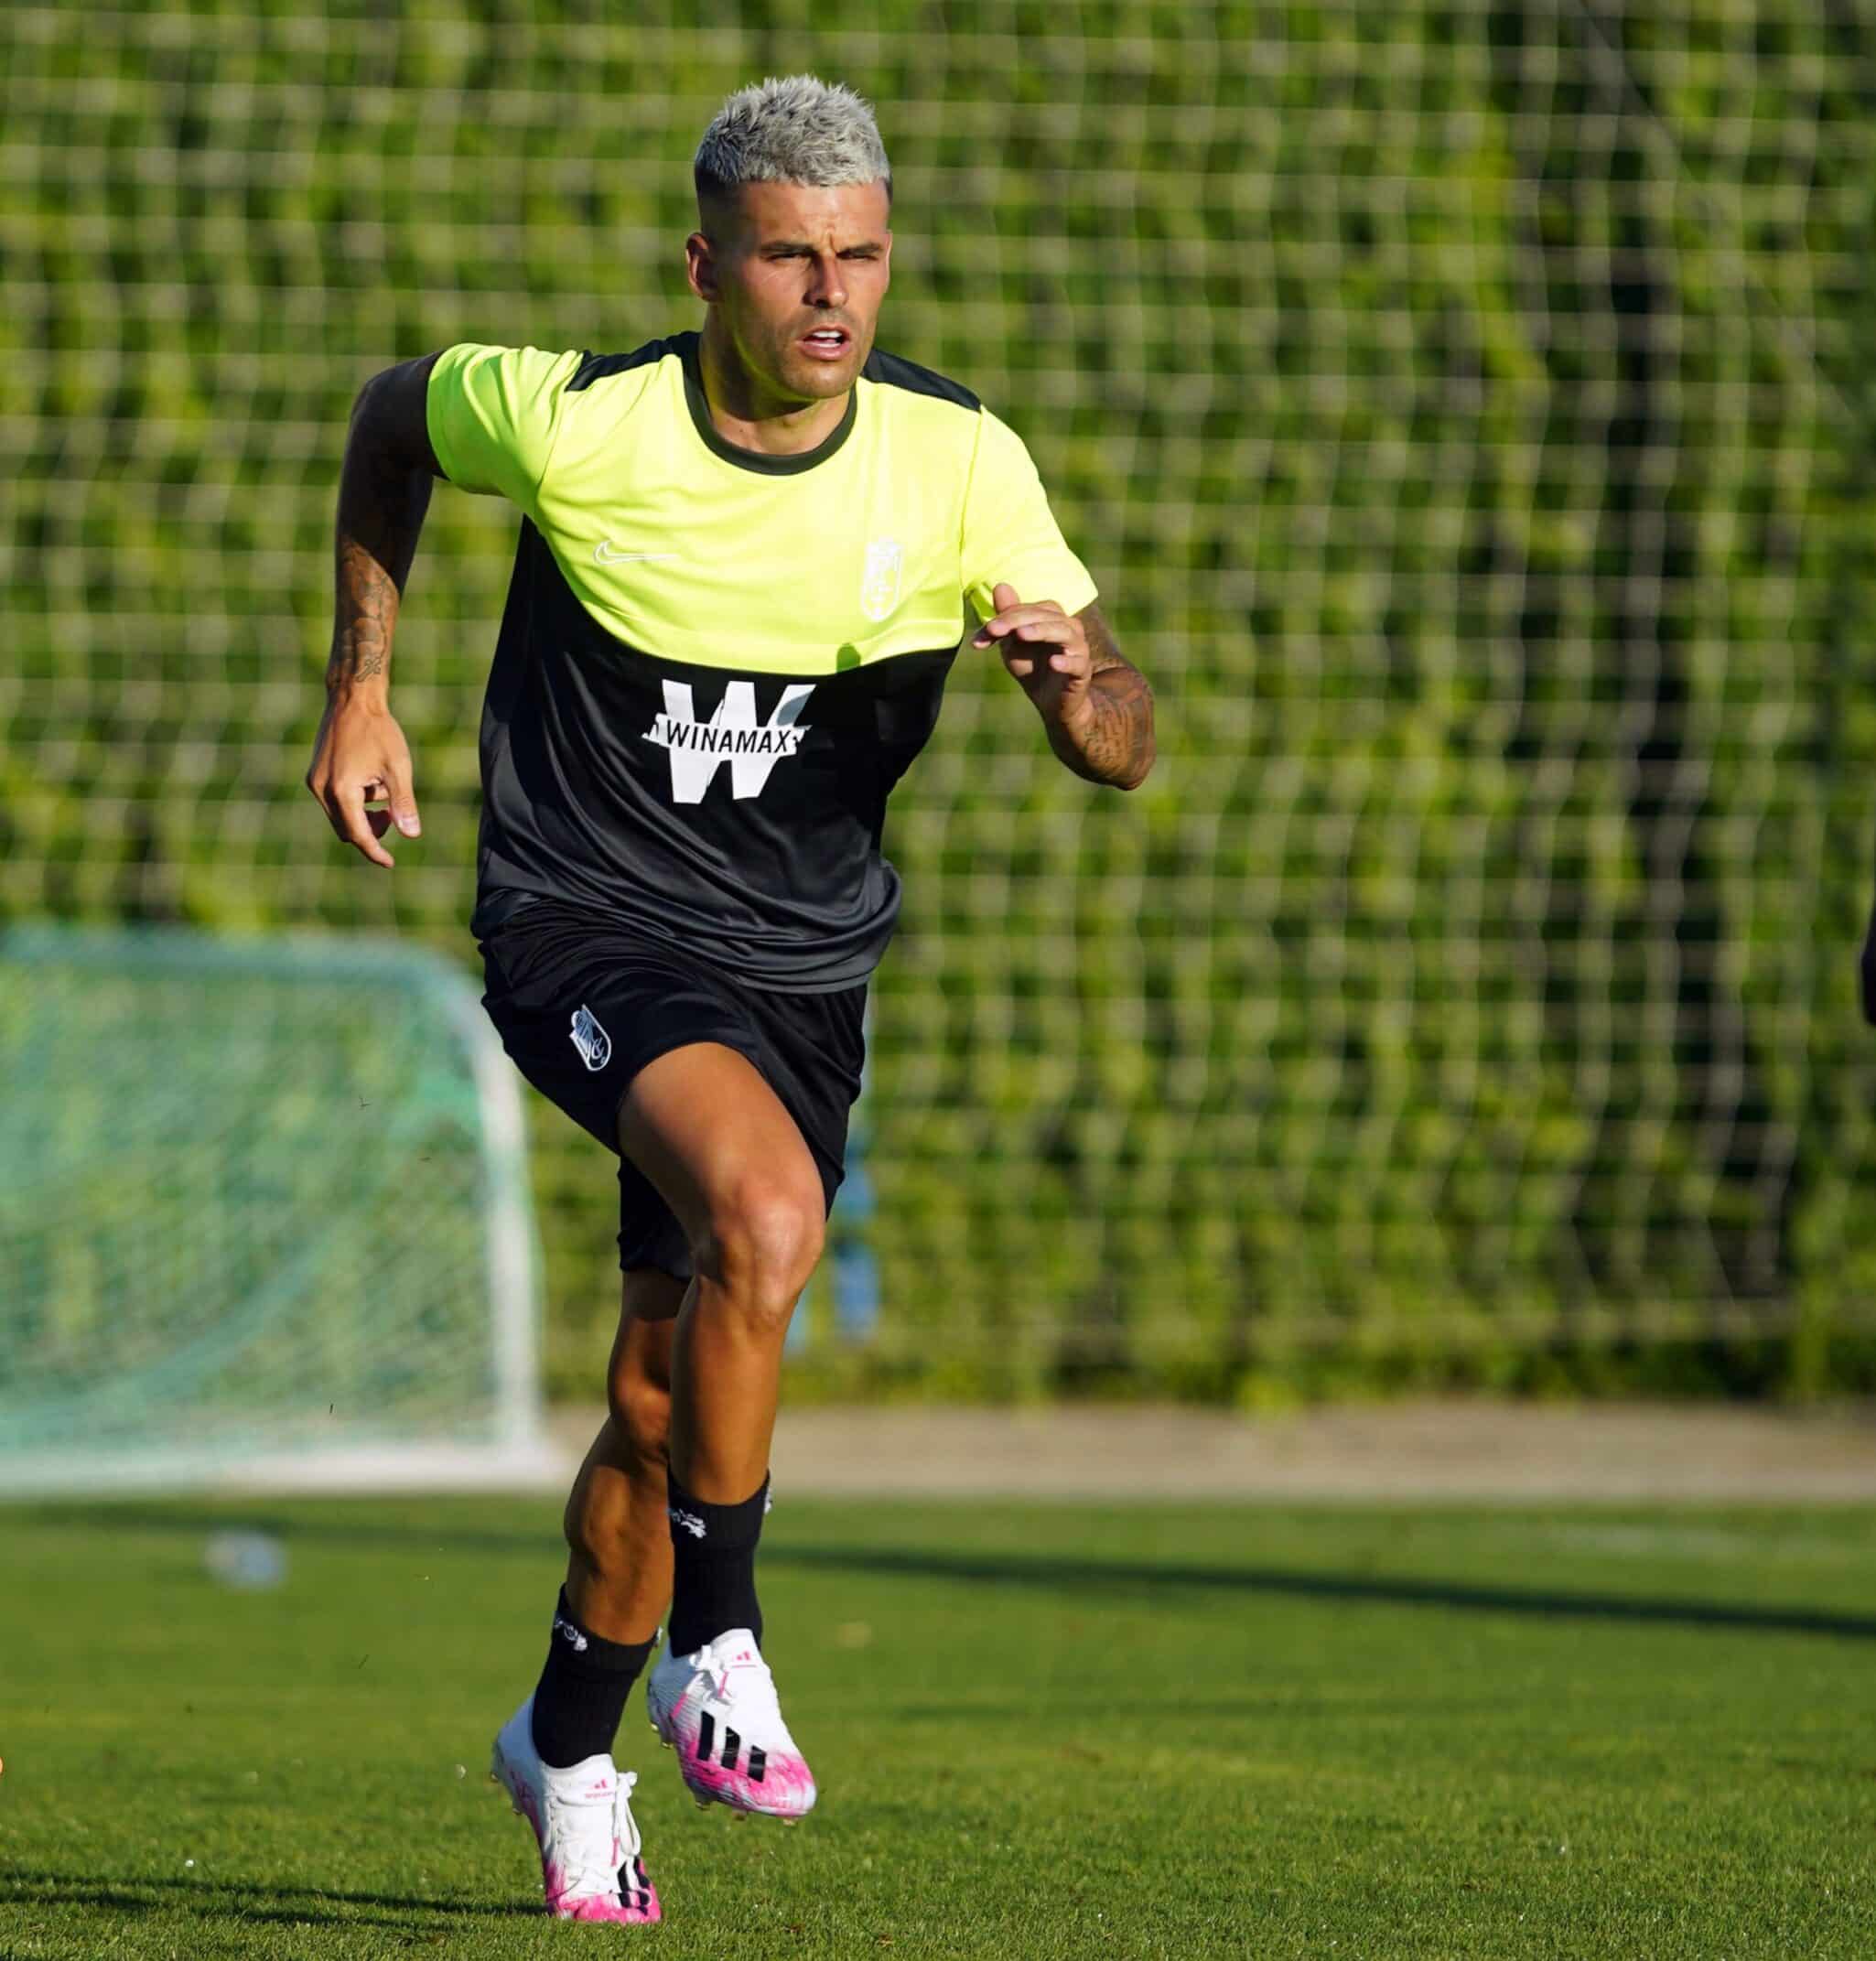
pixel 797 273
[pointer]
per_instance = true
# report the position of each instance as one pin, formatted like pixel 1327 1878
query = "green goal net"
pixel 264 1216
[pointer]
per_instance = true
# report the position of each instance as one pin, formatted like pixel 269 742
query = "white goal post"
pixel 264 1220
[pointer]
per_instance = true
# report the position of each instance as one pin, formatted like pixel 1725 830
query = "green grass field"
pixel 1039 1731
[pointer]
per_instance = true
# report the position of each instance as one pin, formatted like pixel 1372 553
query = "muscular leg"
pixel 693 1379
pixel 711 1134
pixel 619 1540
pixel 714 1139
pixel 553 1754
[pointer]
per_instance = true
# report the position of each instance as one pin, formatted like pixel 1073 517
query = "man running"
pixel 739 587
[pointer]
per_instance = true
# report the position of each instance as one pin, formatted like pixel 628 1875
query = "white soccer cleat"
pixel 583 1824
pixel 718 1709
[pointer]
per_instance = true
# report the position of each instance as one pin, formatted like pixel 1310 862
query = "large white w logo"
pixel 698 750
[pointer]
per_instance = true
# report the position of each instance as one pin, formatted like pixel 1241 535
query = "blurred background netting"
pixel 1464 410
pixel 259 1204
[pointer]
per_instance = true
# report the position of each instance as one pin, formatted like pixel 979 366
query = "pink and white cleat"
pixel 718 1709
pixel 583 1824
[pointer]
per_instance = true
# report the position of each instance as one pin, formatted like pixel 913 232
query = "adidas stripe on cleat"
pixel 717 1708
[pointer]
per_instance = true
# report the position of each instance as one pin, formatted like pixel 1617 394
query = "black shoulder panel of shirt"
pixel 893 373
pixel 596 367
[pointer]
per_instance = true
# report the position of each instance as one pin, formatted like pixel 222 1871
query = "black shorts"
pixel 582 1005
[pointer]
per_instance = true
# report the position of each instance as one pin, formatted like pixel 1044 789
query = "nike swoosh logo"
pixel 604 554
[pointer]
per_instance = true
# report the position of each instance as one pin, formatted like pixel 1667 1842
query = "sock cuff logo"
pixel 691 1523
pixel 570 1632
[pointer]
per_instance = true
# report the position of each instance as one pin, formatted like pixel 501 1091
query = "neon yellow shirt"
pixel 735 811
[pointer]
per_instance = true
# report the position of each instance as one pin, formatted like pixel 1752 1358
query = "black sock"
pixel 714 1555
pixel 582 1690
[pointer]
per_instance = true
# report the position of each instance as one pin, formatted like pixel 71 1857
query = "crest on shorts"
pixel 880 583
pixel 592 1042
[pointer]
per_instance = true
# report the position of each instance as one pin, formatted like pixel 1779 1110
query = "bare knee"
pixel 765 1237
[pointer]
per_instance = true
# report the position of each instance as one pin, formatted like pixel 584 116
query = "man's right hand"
pixel 360 758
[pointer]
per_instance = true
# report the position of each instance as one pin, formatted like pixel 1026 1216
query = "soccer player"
pixel 743 564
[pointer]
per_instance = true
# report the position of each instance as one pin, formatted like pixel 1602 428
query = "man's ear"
pixel 700 266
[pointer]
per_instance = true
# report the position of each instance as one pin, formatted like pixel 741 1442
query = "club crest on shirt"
pixel 880 582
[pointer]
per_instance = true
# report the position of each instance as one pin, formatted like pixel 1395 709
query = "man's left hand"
pixel 1046 649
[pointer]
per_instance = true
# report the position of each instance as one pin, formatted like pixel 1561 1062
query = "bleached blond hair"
pixel 791 129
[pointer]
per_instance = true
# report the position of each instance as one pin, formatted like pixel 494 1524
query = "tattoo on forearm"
pixel 1115 743
pixel 381 513
pixel 367 608
pixel 1118 746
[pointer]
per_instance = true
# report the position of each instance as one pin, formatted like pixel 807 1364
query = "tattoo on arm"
pixel 380 512
pixel 1117 745
pixel 367 614
pixel 383 492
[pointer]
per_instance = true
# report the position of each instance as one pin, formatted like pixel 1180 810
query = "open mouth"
pixel 827 343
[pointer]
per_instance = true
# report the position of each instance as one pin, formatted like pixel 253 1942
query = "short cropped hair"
pixel 792 129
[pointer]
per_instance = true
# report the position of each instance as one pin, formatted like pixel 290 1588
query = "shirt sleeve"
pixel 493 414
pixel 1010 533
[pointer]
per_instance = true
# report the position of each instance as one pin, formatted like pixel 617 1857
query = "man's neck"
pixel 745 415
